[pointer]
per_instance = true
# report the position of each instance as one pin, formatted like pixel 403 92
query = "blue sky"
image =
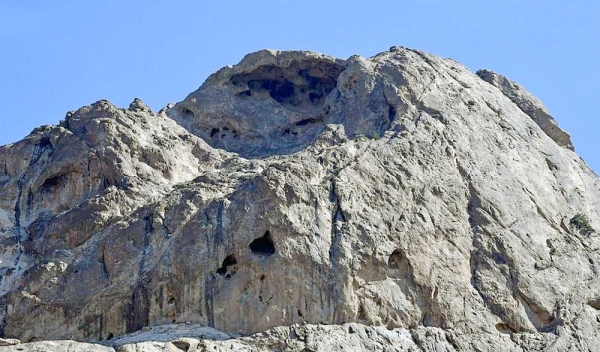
pixel 58 56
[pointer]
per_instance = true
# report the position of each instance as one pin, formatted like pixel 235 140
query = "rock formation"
pixel 399 202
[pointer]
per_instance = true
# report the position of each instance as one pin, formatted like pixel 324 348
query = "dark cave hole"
pixel 246 93
pixel 52 182
pixel 227 262
pixel 44 143
pixel 110 336
pixel 187 113
pixel 302 82
pixel 307 121
pixel 263 245
pixel 504 328
pixel 213 132
pixel 399 266
pixel 279 89
pixel 315 98
pixel 304 74
pixel 392 113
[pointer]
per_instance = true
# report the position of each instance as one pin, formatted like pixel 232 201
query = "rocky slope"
pixel 431 207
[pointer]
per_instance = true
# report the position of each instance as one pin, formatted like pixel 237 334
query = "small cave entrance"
pixel 222 134
pixel 399 266
pixel 52 183
pixel 263 246
pixel 392 112
pixel 228 268
pixel 505 328
pixel 187 113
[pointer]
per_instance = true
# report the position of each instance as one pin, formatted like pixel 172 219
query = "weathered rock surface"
pixel 530 105
pixel 302 337
pixel 401 193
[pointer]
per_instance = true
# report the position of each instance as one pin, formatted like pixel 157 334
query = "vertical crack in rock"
pixel 40 148
pixel 3 311
pixel 103 262
pixel 139 309
pixel 337 220
pixel 218 238
pixel 148 231
pixel 209 298
pixel 17 208
pixel 137 313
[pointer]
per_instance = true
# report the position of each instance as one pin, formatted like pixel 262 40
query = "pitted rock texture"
pixel 408 194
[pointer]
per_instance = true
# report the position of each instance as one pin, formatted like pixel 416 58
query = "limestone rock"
pixel 291 88
pixel 530 105
pixel 58 346
pixel 401 197
pixel 9 342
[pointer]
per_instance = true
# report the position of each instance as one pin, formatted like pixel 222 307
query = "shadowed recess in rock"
pixel 302 82
pixel 260 107
pixel 228 262
pixel 263 245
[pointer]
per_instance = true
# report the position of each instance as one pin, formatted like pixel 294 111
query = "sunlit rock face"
pixel 401 193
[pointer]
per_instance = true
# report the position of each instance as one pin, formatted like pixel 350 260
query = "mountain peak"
pixel 397 198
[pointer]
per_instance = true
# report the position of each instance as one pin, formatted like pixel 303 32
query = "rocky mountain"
pixel 297 201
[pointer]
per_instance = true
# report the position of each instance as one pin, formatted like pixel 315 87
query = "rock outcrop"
pixel 401 201
pixel 530 105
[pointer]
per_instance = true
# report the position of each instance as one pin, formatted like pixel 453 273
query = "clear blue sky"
pixel 56 56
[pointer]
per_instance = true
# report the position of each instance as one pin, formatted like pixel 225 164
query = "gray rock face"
pixel 530 105
pixel 400 193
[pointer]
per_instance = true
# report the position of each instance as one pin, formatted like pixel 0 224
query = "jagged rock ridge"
pixel 401 191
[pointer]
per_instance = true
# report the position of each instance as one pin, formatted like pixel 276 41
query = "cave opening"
pixel 302 83
pixel 263 245
pixel 228 262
